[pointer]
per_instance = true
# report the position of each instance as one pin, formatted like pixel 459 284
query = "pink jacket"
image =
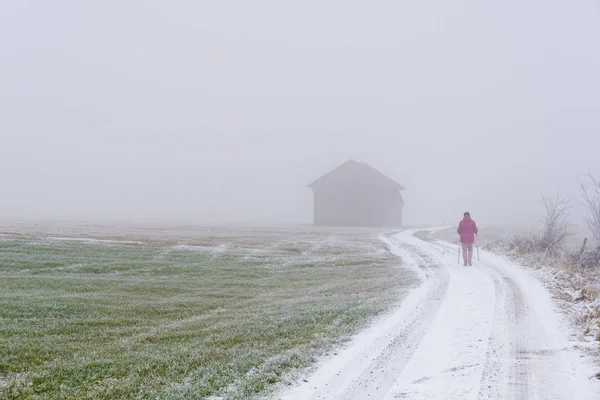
pixel 467 228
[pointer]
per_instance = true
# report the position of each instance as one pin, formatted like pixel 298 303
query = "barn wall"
pixel 332 208
pixel 357 206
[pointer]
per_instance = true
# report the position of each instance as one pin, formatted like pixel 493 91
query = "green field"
pixel 229 315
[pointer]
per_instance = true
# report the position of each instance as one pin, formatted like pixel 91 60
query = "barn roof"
pixel 355 170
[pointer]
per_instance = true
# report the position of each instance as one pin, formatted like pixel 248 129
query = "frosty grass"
pixel 225 315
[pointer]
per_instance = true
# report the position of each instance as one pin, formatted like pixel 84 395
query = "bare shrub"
pixel 556 227
pixel 590 258
pixel 524 244
pixel 590 191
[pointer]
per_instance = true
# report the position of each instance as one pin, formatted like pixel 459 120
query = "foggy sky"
pixel 207 111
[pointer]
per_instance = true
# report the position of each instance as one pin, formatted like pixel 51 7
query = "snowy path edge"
pixel 371 341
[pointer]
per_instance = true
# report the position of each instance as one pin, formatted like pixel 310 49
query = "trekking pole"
pixel 477 244
pixel 458 262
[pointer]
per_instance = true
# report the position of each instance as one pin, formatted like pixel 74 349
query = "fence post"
pixel 583 247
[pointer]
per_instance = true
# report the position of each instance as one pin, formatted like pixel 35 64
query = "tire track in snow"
pixel 504 364
pixel 385 369
pixel 519 376
pixel 490 386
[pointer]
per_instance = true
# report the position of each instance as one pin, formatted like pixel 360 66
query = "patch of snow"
pixel 204 249
pixel 92 240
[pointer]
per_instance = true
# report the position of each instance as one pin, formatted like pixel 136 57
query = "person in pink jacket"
pixel 467 229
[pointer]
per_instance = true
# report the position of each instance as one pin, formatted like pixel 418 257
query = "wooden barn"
pixel 356 194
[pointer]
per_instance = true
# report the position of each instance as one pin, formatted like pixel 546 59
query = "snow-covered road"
pixel 490 331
